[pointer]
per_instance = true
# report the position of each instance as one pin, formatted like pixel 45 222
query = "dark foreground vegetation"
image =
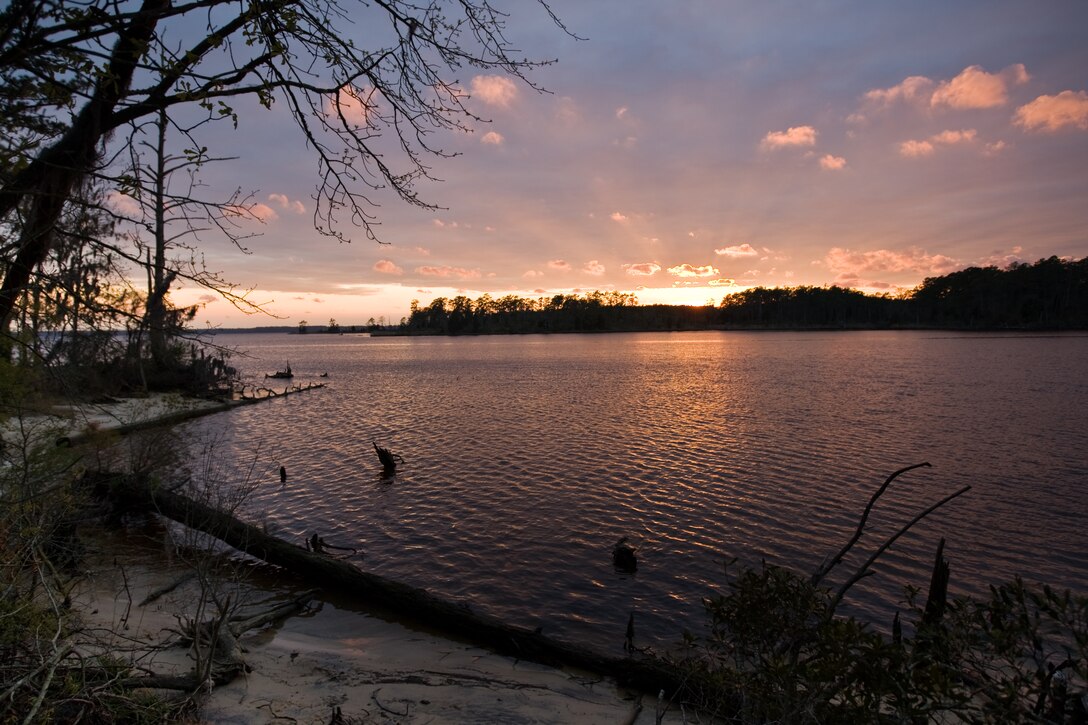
pixel 1051 294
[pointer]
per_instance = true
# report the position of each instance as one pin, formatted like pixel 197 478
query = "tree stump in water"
pixel 623 557
pixel 388 459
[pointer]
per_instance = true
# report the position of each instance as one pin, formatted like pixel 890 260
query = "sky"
pixel 687 149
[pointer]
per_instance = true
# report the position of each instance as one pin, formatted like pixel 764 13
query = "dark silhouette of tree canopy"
pixel 1050 294
pixel 367 83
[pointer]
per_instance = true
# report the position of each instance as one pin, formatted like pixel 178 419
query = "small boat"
pixel 285 373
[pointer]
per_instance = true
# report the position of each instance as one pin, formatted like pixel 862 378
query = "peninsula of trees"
pixel 1051 294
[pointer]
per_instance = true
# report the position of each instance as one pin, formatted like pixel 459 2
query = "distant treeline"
pixel 1050 294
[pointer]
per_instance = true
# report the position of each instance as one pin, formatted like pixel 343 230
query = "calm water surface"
pixel 529 456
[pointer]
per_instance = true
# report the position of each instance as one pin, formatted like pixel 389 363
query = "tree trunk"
pixel 49 180
pixel 159 282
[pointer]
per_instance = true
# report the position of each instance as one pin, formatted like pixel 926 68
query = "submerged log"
pixel 644 673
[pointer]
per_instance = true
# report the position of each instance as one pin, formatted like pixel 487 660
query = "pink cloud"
pixel 849 264
pixel 494 138
pixel 687 270
pixel 975 88
pixel 123 204
pixel 207 299
pixel 560 264
pixel 447 271
pixel 911 89
pixel 617 217
pixel 642 269
pixel 916 148
pixel 1003 259
pixel 532 274
pixel 494 90
pixel 1051 113
pixel 793 137
pixel 738 250
pixel 593 267
pixel 385 266
pixel 285 203
pixel 260 212
pixel 355 105
pixel 832 163
pixel 724 282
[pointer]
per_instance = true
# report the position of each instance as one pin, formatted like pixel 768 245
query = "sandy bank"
pixel 373 669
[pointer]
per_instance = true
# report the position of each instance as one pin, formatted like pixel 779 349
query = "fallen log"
pixel 641 672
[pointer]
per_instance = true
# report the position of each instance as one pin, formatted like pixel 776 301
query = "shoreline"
pixel 334 655
pixel 339 653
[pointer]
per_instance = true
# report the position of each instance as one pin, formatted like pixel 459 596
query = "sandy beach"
pixel 333 654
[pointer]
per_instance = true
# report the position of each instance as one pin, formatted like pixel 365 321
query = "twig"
pixel 863 571
pixel 374 697
pixel 830 564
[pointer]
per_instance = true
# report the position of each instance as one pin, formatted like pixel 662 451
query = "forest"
pixel 1051 294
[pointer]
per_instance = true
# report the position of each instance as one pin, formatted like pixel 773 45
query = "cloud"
pixel 795 136
pixel 532 274
pixel 954 137
pixel 494 90
pixel 593 267
pixel 492 137
pixel 913 149
pixel 849 264
pixel 385 266
pixel 617 217
pixel 1051 113
pixel 916 148
pixel 356 105
pixel 832 163
pixel 738 250
pixel 560 264
pixel 724 282
pixel 259 212
pixel 687 270
pixel 123 204
pixel 642 269
pixel 207 299
pixel 1003 259
pixel 621 112
pixel 285 203
pixel 443 224
pixel 975 88
pixel 913 88
pixel 447 271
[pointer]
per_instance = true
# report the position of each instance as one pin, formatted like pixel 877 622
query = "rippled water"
pixel 529 456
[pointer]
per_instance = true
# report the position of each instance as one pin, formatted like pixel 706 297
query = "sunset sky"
pixel 687 149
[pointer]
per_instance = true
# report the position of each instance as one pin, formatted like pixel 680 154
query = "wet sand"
pixel 332 655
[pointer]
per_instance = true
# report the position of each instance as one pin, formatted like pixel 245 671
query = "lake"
pixel 528 457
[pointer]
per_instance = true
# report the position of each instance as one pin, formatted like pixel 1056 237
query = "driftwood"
pixel 644 673
pixel 219 640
